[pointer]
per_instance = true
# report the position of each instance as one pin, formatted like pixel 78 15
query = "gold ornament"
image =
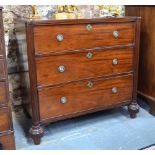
pixel 66 12
pixel 35 12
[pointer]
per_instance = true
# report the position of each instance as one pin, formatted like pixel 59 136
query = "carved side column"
pixel 36 131
pixel 134 107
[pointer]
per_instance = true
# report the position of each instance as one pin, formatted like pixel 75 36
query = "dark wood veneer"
pixel 6 129
pixel 78 66
pixel 7 141
pixel 47 22
pixel 80 97
pixel 77 36
pixel 87 83
pixel 3 92
pixel 4 119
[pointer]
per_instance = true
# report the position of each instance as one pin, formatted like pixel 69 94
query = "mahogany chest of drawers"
pixel 80 66
pixel 6 130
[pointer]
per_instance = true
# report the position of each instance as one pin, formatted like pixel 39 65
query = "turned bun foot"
pixel 36 133
pixel 133 109
pixel 36 139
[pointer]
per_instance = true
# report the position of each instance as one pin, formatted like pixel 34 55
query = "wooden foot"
pixel 36 133
pixel 133 109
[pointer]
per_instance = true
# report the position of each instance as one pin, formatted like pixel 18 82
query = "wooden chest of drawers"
pixel 80 66
pixel 6 130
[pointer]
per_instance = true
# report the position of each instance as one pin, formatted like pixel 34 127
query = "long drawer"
pixel 90 64
pixel 84 95
pixel 69 37
pixel 4 119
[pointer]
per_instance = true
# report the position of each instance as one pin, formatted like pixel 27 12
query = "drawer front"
pixel 4 119
pixel 84 95
pixel 2 69
pixel 69 37
pixel 72 67
pixel 7 142
pixel 3 93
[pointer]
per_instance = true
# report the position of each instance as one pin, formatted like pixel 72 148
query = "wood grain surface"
pixel 7 141
pixel 80 97
pixel 78 66
pixel 4 119
pixel 3 96
pixel 6 128
pixel 77 36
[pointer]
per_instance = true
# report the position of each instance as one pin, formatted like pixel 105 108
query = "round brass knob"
pixel 90 84
pixel 115 61
pixel 61 69
pixel 89 55
pixel 89 27
pixel 60 37
pixel 116 34
pixel 114 90
pixel 63 100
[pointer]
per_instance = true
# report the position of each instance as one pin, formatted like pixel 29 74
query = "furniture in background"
pixel 79 66
pixel 6 129
pixel 146 82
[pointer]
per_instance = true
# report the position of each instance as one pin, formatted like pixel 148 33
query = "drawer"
pixel 69 37
pixel 4 119
pixel 72 67
pixel 7 142
pixel 2 69
pixel 85 95
pixel 3 93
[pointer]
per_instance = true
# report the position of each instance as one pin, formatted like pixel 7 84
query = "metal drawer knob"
pixel 90 84
pixel 116 34
pixel 89 55
pixel 114 90
pixel 60 37
pixel 61 69
pixel 63 100
pixel 89 27
pixel 115 61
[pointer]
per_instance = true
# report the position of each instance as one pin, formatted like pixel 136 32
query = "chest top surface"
pixel 50 21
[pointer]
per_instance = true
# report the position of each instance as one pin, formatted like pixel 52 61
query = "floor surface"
pixel 106 130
